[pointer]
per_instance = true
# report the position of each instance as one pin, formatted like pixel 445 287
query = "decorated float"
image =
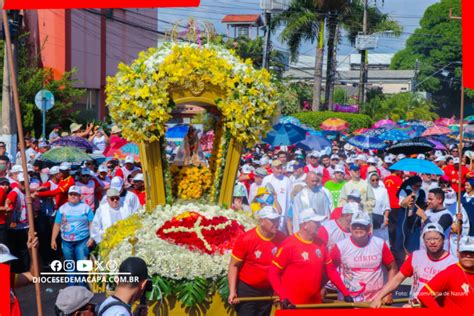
pixel 187 230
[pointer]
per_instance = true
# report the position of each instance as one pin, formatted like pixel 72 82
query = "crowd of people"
pixel 342 221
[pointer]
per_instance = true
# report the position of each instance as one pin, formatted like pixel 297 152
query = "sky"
pixel 407 12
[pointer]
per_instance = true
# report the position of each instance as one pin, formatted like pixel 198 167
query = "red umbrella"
pixel 334 124
pixel 445 121
pixel 436 130
pixel 383 123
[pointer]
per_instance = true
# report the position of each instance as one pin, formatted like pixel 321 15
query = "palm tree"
pixel 304 21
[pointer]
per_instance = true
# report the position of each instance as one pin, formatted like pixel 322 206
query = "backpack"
pixel 109 305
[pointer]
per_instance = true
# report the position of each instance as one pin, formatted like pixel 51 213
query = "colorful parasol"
pixel 334 124
pixel 290 120
pixel 360 131
pixel 395 135
pixel 314 142
pixel 285 135
pixel 445 121
pixel 384 123
pixel 436 130
pixel 129 149
pixel 417 165
pixel 470 119
pixel 411 146
pixel 367 142
pixel 74 141
pixel 65 154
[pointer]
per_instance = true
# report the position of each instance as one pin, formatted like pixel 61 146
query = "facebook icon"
pixel 56 265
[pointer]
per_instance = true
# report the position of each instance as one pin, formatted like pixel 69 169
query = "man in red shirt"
pixel 61 192
pixel 392 183
pixel 300 264
pixel 452 172
pixel 453 287
pixel 251 258
pixel 4 187
pixel 138 184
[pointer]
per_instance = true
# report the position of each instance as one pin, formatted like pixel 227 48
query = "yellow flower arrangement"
pixel 139 94
pixel 191 182
pixel 118 232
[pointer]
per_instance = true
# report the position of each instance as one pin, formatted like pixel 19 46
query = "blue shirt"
pixel 74 221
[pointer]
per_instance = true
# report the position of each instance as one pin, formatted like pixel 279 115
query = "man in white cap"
pixel 108 213
pixel 61 192
pixel 440 161
pixel 312 195
pixel 128 168
pixel 128 199
pixel 103 176
pixel 421 265
pixel 18 225
pixel 356 183
pixel 281 187
pixel 335 230
pixel 13 175
pixel 333 164
pixel 313 165
pixel 250 260
pixel 300 264
pixel 90 188
pixel 334 186
pixel 360 258
pixel 138 187
pixel 453 287
pixel 387 162
pixel 259 175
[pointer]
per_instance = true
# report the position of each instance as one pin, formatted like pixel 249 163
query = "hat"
pixel 440 158
pixel 334 157
pixel 103 168
pixel 290 168
pixel 129 159
pixel 260 172
pixel 348 147
pixel 466 244
pixel 469 154
pixel 355 194
pixel 350 160
pixel 262 191
pixel 75 127
pixel 72 298
pixel 388 159
pixel 438 153
pixel 16 169
pixel 372 159
pixel 264 161
pixel 267 212
pixel 361 218
pixel 113 192
pixel 401 156
pixel 74 189
pixel 64 134
pixel 310 214
pixel 361 157
pixel 54 170
pixel 314 154
pixel 43 145
pixel 433 227
pixel 136 267
pixel 350 208
pixel 64 166
pixel 30 168
pixel 86 172
pixel 116 183
pixel 354 167
pixel 4 181
pixel 421 156
pixel 239 190
pixel 115 129
pixel 138 177
pixel 456 160
pixel 299 164
pixel 246 169
pixel 339 168
pixel 276 163
pixel 5 254
pixel 21 177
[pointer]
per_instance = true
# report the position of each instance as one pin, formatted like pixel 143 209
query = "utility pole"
pixel 363 59
pixel 415 77
pixel 9 128
pixel 267 44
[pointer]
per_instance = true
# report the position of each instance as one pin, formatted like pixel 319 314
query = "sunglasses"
pixel 85 176
pixel 374 180
pixel 114 198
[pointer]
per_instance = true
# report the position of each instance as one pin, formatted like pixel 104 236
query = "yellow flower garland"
pixel 139 94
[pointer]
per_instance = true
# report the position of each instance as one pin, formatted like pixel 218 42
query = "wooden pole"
pixel 16 103
pixel 461 147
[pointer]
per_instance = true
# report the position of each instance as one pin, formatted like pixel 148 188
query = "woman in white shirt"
pixel 381 208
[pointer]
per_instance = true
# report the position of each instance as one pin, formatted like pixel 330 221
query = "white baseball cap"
pixel 116 183
pixel 30 168
pixel 388 159
pixel 421 156
pixel 16 169
pixel 339 168
pixel 246 169
pixel 466 244
pixel 267 212
pixel 129 159
pixel 74 189
pixel 54 170
pixel 103 168
pixel 314 154
pixel 361 218
pixel 438 153
pixel 440 158
pixel 350 208
pixel 264 160
pixel 5 254
pixel 290 168
pixel 138 177
pixel 401 156
pixel 433 227
pixel 310 214
pixel 355 193
pixel 65 166
pixel 372 159
pixel 361 157
pixel 348 147
pixel 334 156
pixel 21 177
pixel 456 160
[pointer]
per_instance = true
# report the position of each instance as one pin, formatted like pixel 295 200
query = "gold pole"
pixel 19 123
pixel 257 298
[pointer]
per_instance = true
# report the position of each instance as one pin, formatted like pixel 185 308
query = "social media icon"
pixel 84 265
pixel 69 265
pixel 56 265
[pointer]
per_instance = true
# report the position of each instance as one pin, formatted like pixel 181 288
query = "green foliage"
pixel 314 119
pixel 223 288
pixel 288 97
pixel 406 106
pixel 31 79
pixel 435 44
pixel 192 293
pixel 340 96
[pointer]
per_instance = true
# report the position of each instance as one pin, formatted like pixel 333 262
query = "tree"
pixel 32 78
pixel 436 44
pixel 401 106
pixel 304 21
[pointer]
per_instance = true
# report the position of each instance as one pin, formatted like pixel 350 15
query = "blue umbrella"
pixel 289 120
pixel 417 165
pixel 285 135
pixel 367 142
pixel 394 135
pixel 177 132
pixel 314 142
pixel 130 149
